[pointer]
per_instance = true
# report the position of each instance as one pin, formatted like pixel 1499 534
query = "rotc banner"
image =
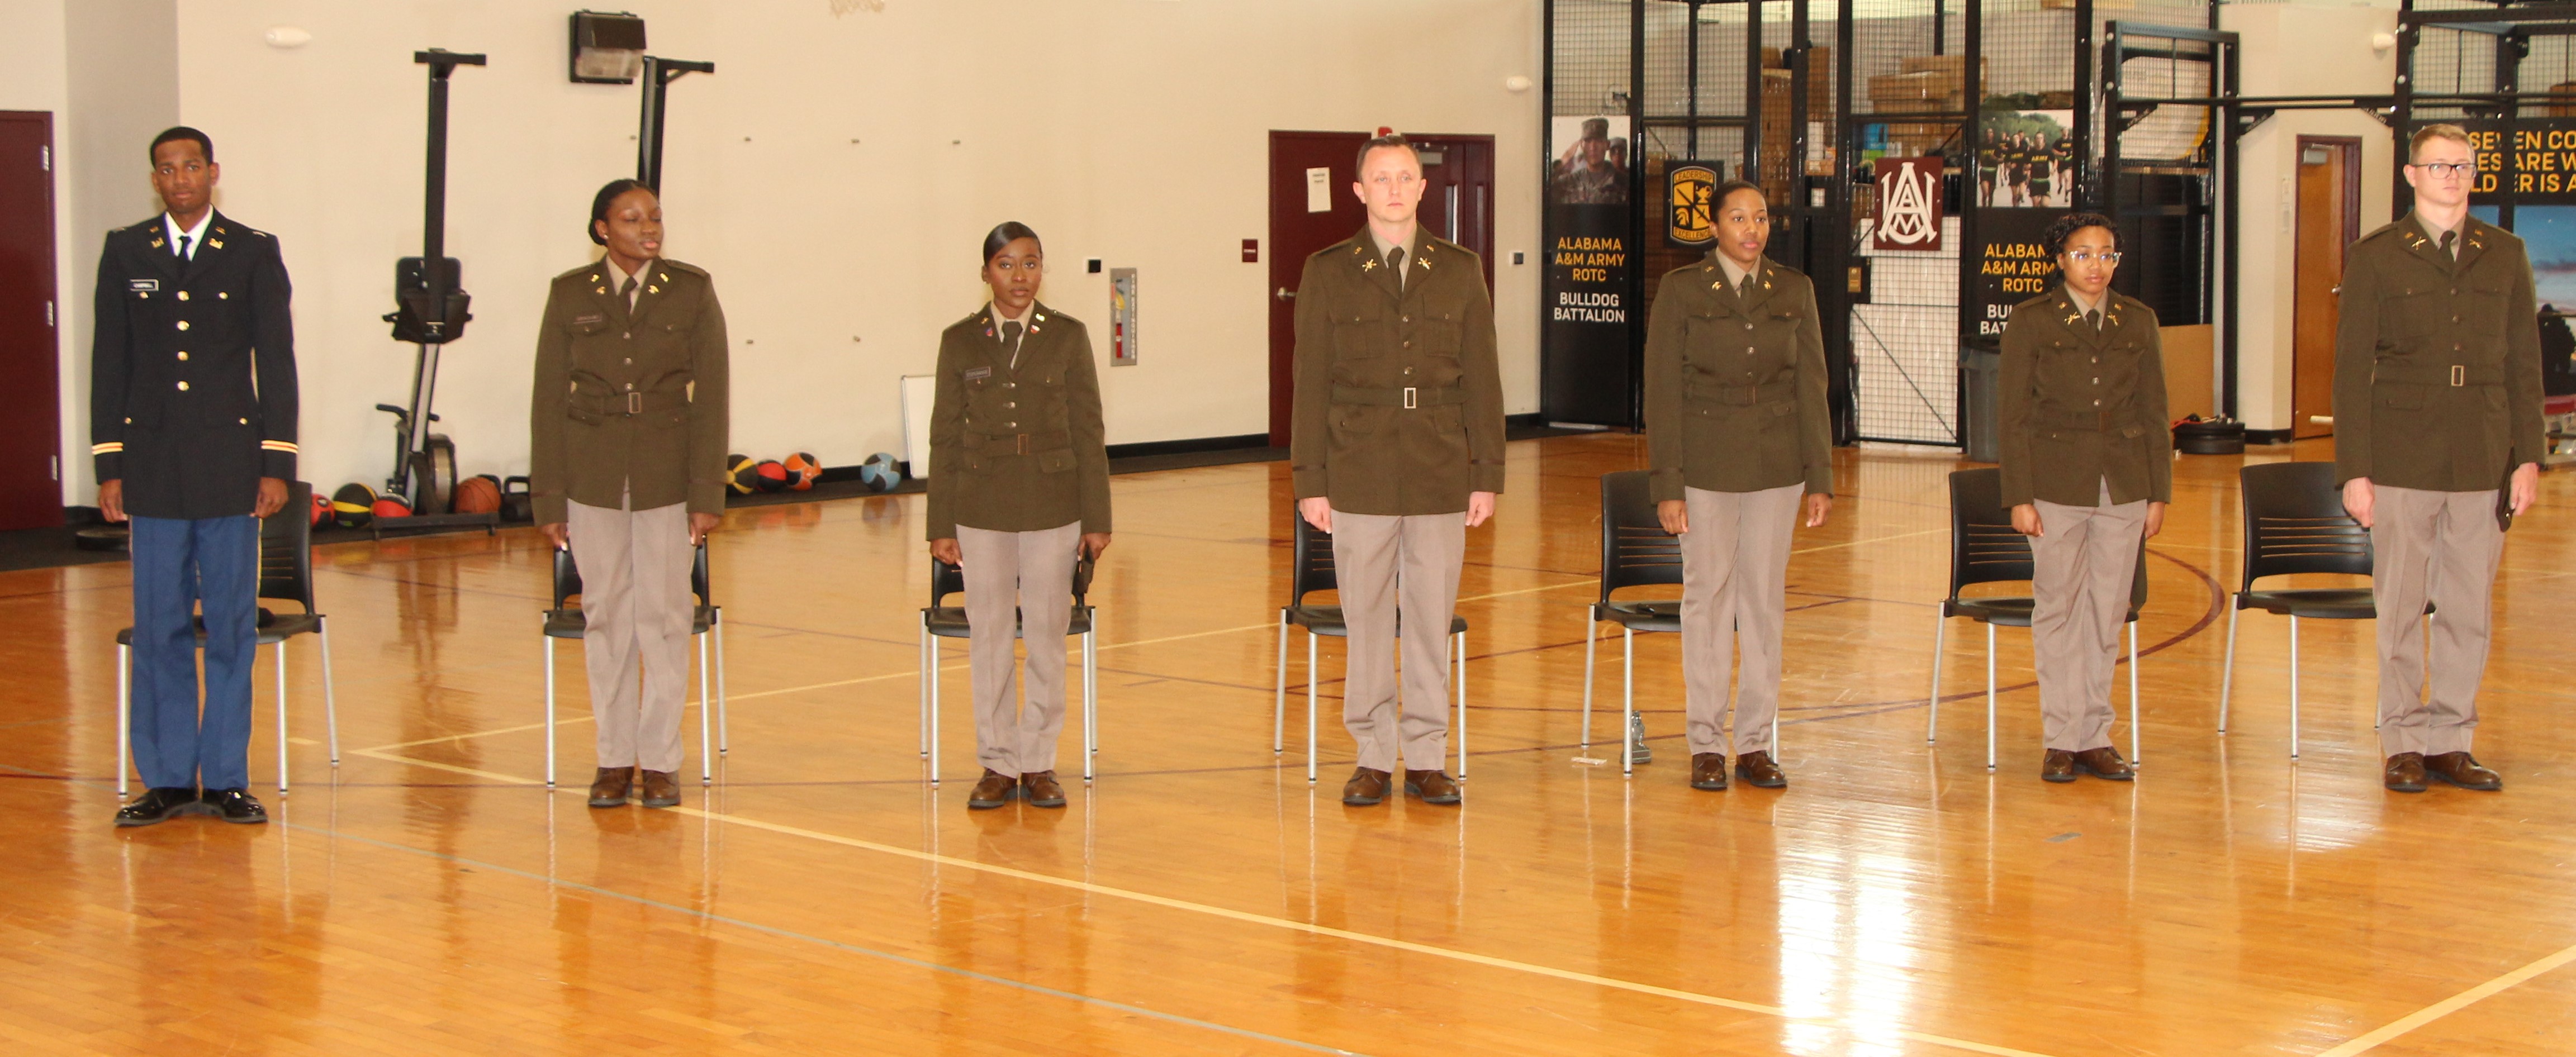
pixel 2540 161
pixel 1908 214
pixel 1587 349
pixel 1690 208
pixel 2013 264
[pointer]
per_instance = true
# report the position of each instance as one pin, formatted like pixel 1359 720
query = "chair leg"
pixel 1628 703
pixel 2227 674
pixel 1311 680
pixel 281 714
pixel 933 719
pixel 124 720
pixel 1990 696
pixel 1591 640
pixel 706 721
pixel 2294 687
pixel 721 733
pixel 1090 709
pixel 549 642
pixel 921 685
pixel 2133 693
pixel 330 701
pixel 1932 705
pixel 1462 705
pixel 1279 697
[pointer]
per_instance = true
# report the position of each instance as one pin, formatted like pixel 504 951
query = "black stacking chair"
pixel 949 622
pixel 566 622
pixel 1310 569
pixel 1985 549
pixel 286 575
pixel 1635 552
pixel 2295 523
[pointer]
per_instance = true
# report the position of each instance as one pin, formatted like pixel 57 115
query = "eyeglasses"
pixel 2443 170
pixel 2088 257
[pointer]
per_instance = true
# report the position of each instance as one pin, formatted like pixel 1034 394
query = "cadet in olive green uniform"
pixel 2087 471
pixel 1396 443
pixel 627 468
pixel 1738 429
pixel 2437 407
pixel 1019 481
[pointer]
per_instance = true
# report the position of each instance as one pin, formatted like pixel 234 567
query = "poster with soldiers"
pixel 1590 160
pixel 1587 356
pixel 2026 159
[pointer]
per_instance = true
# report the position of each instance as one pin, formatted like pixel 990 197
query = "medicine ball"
pixel 353 506
pixel 880 473
pixel 742 474
pixel 321 510
pixel 802 469
pixel 390 507
pixel 770 475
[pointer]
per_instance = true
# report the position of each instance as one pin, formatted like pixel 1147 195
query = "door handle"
pixel 1286 294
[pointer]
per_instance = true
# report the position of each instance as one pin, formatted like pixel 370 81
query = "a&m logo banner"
pixel 1909 205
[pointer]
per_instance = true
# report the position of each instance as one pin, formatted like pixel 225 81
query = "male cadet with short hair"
pixel 2437 440
pixel 1397 447
pixel 192 424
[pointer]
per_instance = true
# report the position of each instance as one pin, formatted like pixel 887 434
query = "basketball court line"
pixel 1245 917
pixel 2453 1004
pixel 773 930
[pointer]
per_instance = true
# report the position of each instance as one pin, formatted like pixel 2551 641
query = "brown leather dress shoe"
pixel 991 791
pixel 1041 789
pixel 610 787
pixel 2463 770
pixel 2404 773
pixel 660 789
pixel 2059 766
pixel 1433 786
pixel 1708 770
pixel 1366 787
pixel 1758 771
pixel 2105 762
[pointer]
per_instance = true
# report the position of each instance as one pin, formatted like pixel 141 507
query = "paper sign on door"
pixel 1319 190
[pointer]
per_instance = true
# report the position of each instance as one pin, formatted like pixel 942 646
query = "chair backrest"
pixel 1984 548
pixel 568 576
pixel 1310 559
pixel 286 548
pixel 2295 523
pixel 946 579
pixel 698 575
pixel 1635 549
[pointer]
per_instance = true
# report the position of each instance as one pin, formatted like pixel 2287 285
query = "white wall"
pixel 2293 49
pixel 835 175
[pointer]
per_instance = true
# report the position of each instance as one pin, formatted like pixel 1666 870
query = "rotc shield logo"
pixel 1909 205
pixel 1691 217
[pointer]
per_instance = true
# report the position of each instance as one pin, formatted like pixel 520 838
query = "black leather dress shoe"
pixel 157 805
pixel 235 805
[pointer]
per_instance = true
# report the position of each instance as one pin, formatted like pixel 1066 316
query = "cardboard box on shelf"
pixel 2566 106
pixel 1902 87
pixel 1954 65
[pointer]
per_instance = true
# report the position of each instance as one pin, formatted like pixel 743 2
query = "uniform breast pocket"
pixel 1355 332
pixel 1444 325
pixel 675 324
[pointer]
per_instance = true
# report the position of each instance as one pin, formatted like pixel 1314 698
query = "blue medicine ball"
pixel 880 473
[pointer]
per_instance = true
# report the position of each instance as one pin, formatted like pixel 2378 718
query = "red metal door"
pixel 31 494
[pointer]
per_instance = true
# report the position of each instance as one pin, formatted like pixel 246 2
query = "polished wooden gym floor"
pixel 430 896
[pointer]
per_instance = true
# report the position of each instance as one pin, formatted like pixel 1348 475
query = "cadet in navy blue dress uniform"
pixel 192 426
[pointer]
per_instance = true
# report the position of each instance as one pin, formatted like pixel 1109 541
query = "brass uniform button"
pixel 183 387
pixel 183 295
pixel 183 324
pixel 183 357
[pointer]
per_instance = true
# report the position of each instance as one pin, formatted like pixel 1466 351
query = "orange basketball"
pixel 477 495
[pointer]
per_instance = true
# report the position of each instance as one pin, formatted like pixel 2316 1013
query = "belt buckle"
pixel 1409 398
pixel 1023 443
pixel 635 403
pixel 2459 375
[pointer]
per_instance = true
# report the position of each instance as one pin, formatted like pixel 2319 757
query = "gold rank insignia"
pixel 601 290
pixel 650 289
pixel 1041 317
pixel 157 244
pixel 594 278
pixel 216 243
pixel 666 276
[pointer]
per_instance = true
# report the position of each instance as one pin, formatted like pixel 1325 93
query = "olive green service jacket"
pixel 1017 449
pixel 1399 397
pixel 2080 406
pixel 629 406
pixel 2437 361
pixel 1735 386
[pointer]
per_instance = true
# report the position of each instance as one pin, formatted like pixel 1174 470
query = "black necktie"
pixel 1011 334
pixel 2093 318
pixel 183 247
pixel 1395 260
pixel 2450 244
pixel 626 293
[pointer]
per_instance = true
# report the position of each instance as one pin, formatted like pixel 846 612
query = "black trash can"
pixel 1981 364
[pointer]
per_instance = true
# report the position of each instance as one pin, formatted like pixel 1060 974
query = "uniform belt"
pixel 1411 396
pixel 2455 375
pixel 628 403
pixel 1702 390
pixel 1019 443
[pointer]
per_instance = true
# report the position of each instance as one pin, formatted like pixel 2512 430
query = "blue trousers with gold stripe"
pixel 177 565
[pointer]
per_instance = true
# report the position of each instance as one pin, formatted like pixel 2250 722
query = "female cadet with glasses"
pixel 627 468
pixel 2087 471
pixel 1019 482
